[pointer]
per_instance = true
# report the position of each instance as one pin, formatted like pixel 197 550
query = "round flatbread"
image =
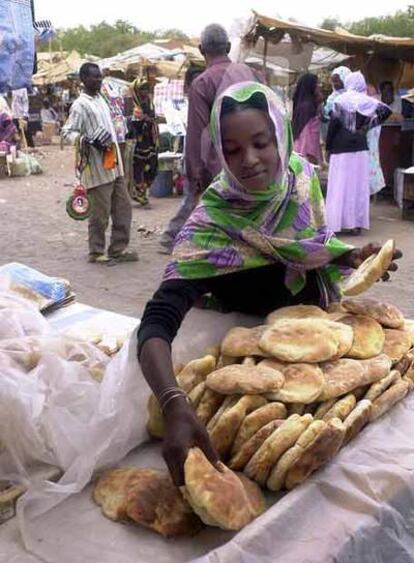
pixel 300 340
pixel 218 495
pixel 386 314
pixel 256 420
pixel 323 448
pixel 375 368
pixel 389 398
pixel 241 341
pixel 397 344
pixel 296 312
pixel 341 377
pixel 241 458
pixel 278 474
pixel 408 327
pixel 341 408
pixel 370 271
pixel 356 420
pixel 303 384
pixel 244 379
pixel 275 446
pixel 369 337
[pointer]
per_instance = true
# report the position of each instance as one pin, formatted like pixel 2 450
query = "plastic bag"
pixel 34 286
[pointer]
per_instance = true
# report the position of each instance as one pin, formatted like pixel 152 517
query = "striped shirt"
pixel 87 115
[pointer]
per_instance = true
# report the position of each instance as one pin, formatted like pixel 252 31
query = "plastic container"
pixel 163 184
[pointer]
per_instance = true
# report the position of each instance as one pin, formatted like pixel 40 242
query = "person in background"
pixel 376 175
pixel 257 241
pixel 348 196
pixel 48 114
pixel 9 135
pixel 190 197
pixel 306 118
pixel 393 100
pixel 338 78
pixel 90 126
pixel 143 130
pixel 20 111
pixel 201 161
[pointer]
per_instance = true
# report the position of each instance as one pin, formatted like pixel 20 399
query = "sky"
pixel 192 15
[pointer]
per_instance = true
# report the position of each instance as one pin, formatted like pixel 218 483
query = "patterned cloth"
pixel 233 229
pixel 87 115
pixel 168 91
pixel 116 104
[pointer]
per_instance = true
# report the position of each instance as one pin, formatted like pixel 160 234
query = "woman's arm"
pixel 161 320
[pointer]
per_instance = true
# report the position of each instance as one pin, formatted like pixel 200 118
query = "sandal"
pixel 127 256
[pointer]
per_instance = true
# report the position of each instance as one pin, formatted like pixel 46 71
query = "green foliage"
pixel 400 24
pixel 330 24
pixel 106 40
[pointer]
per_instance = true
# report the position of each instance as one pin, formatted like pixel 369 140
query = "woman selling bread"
pixel 257 241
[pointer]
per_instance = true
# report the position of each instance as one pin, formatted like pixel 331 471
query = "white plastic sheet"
pixel 358 508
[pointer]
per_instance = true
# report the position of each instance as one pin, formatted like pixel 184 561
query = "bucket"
pixel 163 184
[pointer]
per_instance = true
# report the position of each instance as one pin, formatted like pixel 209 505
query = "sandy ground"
pixel 35 230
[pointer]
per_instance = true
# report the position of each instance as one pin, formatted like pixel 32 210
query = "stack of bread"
pixel 280 400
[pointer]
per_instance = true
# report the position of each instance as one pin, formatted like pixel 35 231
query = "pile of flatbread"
pixel 280 400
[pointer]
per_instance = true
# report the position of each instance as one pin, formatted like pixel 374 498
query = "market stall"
pixel 356 507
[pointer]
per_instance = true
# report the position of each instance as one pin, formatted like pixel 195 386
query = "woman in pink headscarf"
pixel 354 114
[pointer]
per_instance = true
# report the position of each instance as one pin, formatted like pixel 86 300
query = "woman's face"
pixel 336 82
pixel 250 148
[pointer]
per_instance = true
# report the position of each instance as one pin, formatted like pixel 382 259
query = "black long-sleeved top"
pixel 340 140
pixel 257 291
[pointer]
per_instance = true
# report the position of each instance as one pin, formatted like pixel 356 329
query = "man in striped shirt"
pixel 90 126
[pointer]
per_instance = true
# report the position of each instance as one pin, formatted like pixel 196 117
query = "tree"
pixel 401 24
pixel 330 24
pixel 106 40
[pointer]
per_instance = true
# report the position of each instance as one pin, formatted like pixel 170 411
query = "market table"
pixel 357 508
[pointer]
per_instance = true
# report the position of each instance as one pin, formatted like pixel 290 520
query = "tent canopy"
pixel 273 30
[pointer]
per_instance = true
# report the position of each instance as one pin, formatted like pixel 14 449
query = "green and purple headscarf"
pixel 233 229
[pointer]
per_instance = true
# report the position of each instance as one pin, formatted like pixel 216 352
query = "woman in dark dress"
pixel 257 241
pixel 143 129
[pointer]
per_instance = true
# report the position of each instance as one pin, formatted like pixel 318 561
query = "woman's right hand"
pixel 183 430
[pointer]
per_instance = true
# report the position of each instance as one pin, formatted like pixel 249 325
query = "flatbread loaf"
pixel 408 327
pixel 370 271
pixel 323 408
pixel 405 363
pixel 397 344
pixel 241 341
pixel 323 448
pixel 296 312
pixel 341 377
pixel 244 379
pixel 218 495
pixel 369 337
pixel 240 459
pixel 375 368
pixel 155 424
pixel 275 446
pixel 225 430
pixel 388 399
pixel 147 497
pixel 341 409
pixel 303 384
pixel 195 372
pixel 256 420
pixel 209 404
pixel 277 476
pixel 300 340
pixel 228 402
pixel 155 502
pixel 195 394
pixel 357 419
pixel 378 388
pixel 386 314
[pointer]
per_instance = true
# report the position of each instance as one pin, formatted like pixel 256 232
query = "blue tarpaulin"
pixel 17 46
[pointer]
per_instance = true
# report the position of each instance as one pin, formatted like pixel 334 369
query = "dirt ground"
pixel 35 230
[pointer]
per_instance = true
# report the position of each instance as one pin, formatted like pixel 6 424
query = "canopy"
pixel 273 30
